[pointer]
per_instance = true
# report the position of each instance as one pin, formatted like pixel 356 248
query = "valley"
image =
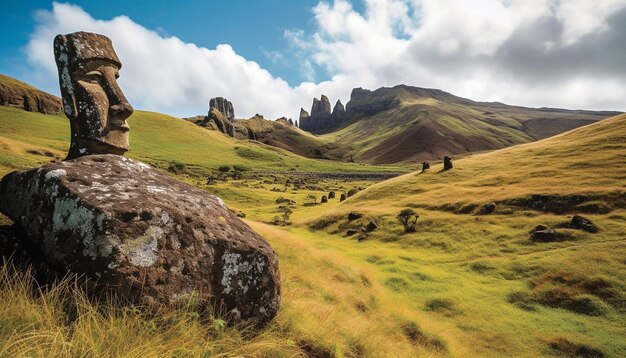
pixel 465 283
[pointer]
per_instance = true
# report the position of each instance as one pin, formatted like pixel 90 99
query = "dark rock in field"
pixel 241 214
pixel 371 226
pixel 324 199
pixel 447 163
pixel 342 197
pixel 351 232
pixel 362 238
pixel 331 195
pixel 489 208
pixel 138 232
pixel 582 223
pixel 290 121
pixel 223 105
pixel 425 166
pixel 546 235
pixel 539 228
pixel 354 216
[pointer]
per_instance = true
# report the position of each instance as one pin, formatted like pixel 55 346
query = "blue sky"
pixel 252 28
pixel 272 57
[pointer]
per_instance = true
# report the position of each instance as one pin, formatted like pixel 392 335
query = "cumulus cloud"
pixel 565 53
pixel 165 74
pixel 557 53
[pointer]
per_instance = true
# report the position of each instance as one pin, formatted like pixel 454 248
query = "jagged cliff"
pixel 321 119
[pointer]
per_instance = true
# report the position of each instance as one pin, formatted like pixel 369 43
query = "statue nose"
pixel 118 104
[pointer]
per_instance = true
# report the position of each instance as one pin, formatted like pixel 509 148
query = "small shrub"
pixel 224 168
pixel 397 284
pixel 415 334
pixel 442 305
pixel 352 192
pixel 408 217
pixel 240 168
pixel 176 168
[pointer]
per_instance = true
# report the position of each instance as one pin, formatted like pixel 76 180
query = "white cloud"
pixel 526 52
pixel 167 75
pixel 566 53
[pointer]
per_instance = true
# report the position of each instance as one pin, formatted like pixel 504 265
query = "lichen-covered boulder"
pixel 143 234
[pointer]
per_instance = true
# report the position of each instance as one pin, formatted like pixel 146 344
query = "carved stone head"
pixel 92 100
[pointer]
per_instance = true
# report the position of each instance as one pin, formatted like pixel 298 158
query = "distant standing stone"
pixel 425 166
pixel 331 195
pixel 342 197
pixel 447 163
pixel 324 199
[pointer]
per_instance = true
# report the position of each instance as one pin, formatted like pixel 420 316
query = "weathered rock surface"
pixel 14 93
pixel 223 105
pixel 582 223
pixel 544 235
pixel 143 234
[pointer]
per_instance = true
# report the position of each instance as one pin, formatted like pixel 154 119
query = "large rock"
pixel 143 234
pixel 223 105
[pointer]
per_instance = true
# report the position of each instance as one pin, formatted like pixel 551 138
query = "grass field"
pixel 463 285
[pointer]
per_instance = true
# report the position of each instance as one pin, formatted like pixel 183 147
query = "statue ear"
pixel 62 57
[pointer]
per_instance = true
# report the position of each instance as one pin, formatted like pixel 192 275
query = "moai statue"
pixel 92 100
pixel 447 163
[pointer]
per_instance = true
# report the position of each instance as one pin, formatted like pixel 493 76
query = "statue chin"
pixel 87 146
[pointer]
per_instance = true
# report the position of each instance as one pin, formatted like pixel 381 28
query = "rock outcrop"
pixel 223 105
pixel 14 93
pixel 322 120
pixel 138 232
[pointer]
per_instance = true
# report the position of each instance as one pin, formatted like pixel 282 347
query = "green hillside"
pixel 411 124
pixel 490 288
pixel 29 138
pixel 465 284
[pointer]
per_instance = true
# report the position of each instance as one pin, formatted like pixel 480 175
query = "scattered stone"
pixel 241 214
pixel 351 232
pixel 342 197
pixel 447 163
pixel 539 228
pixel 324 199
pixel 425 166
pixel 371 226
pixel 354 216
pixel 362 238
pixel 582 223
pixel 331 195
pixel 546 235
pixel 140 233
pixel 489 208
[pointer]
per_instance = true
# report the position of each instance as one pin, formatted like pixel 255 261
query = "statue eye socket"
pixel 93 76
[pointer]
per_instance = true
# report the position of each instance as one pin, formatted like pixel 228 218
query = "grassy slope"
pixel 155 138
pixel 445 289
pixel 480 276
pixel 427 124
